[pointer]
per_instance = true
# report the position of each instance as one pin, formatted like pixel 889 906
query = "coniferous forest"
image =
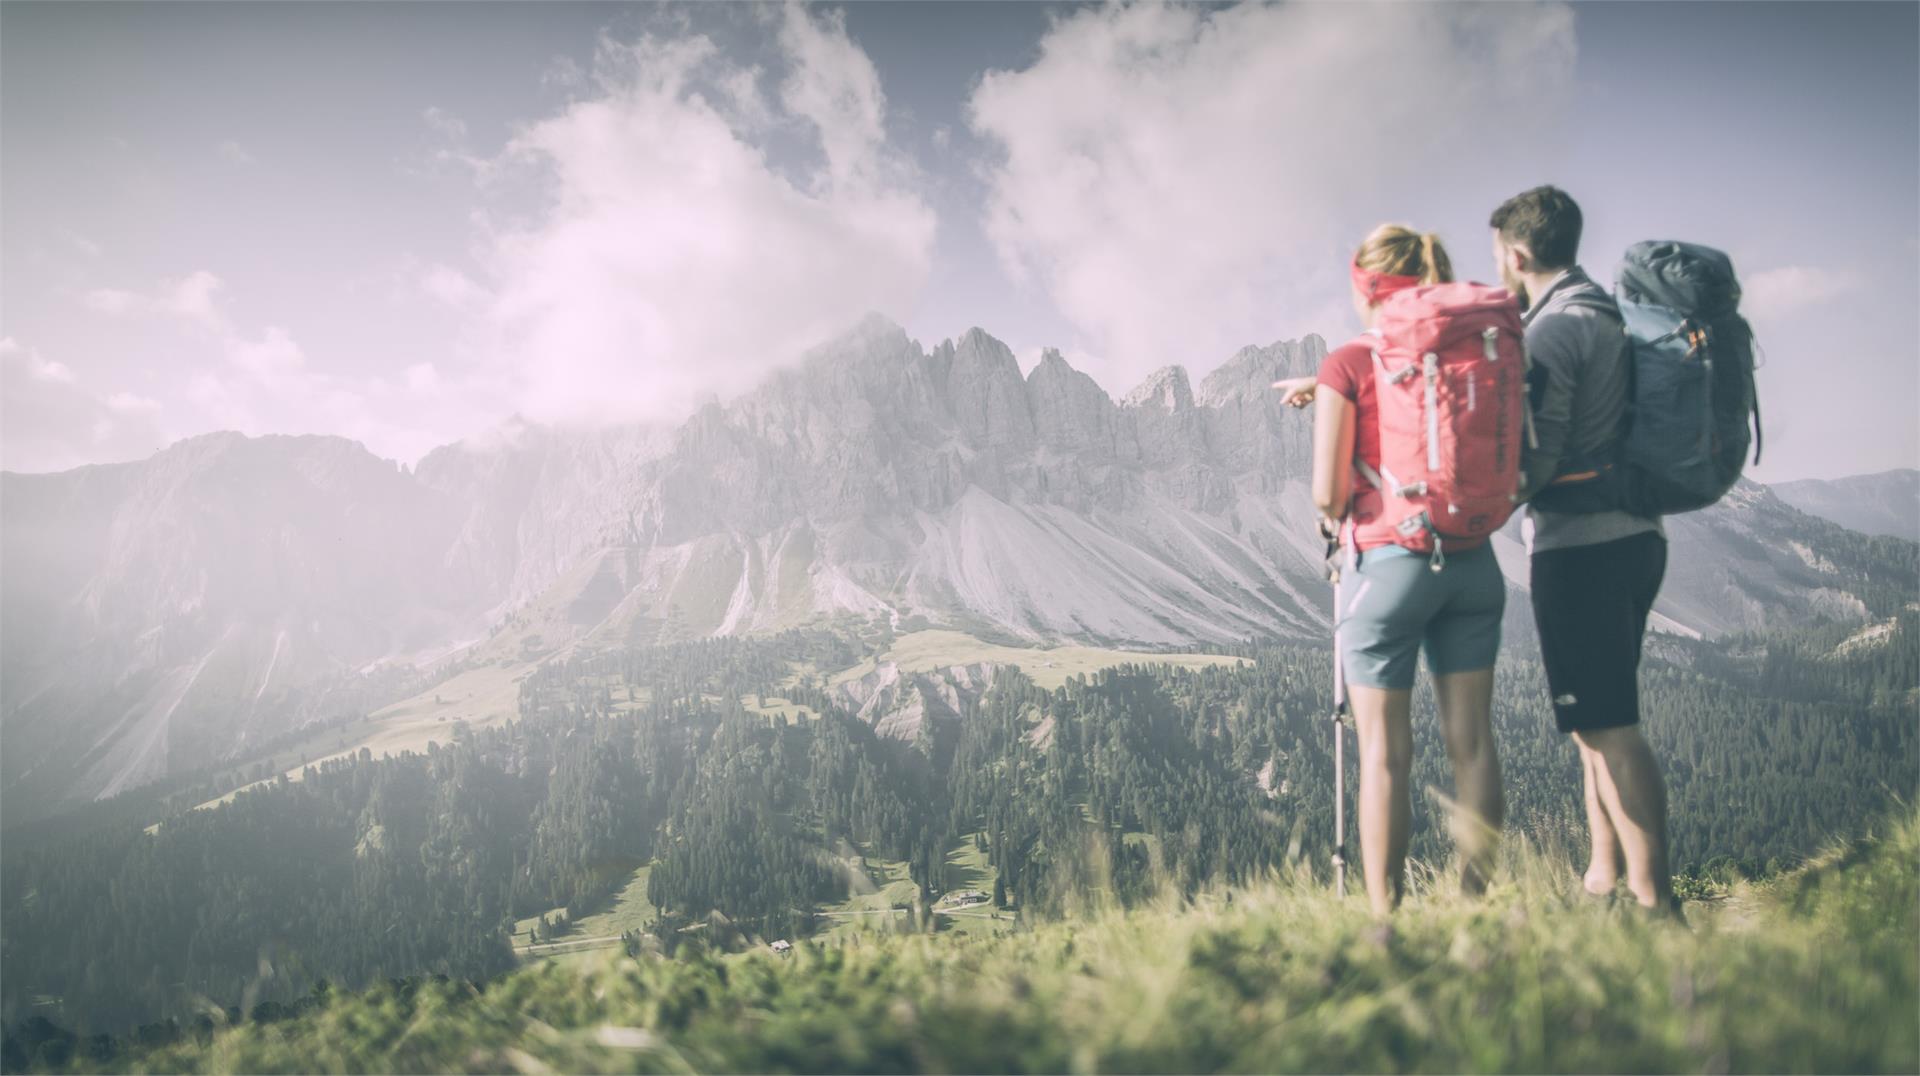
pixel 369 869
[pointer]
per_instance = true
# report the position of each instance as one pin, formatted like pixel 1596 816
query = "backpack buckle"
pixel 1696 340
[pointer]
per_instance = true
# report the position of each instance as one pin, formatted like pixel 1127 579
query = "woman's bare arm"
pixel 1332 454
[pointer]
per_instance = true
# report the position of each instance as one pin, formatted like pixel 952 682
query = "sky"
pixel 405 222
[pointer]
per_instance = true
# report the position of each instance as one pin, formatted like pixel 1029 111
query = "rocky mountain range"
pixel 186 607
pixel 1887 503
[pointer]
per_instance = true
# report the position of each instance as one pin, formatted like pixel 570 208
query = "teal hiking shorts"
pixel 1394 604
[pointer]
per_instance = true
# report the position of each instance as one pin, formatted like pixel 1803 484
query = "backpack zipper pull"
pixel 1490 339
pixel 1430 362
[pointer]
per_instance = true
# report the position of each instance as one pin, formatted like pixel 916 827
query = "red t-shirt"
pixel 1348 370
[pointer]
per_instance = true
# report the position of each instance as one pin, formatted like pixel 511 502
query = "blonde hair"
pixel 1398 250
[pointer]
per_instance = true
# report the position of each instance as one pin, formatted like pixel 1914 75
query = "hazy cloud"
pixel 450 286
pixel 194 297
pixel 421 377
pixel 34 365
pixel 1773 293
pixel 674 257
pixel 1164 172
pixel 50 421
pixel 127 403
pixel 260 380
pixel 696 220
pixel 450 132
pixel 445 123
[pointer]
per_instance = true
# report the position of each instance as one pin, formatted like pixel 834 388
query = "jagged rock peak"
pixel 1053 362
pixel 1070 409
pixel 1053 369
pixel 1166 388
pixel 978 339
pixel 873 336
pixel 876 328
pixel 306 450
pixel 1253 369
pixel 984 389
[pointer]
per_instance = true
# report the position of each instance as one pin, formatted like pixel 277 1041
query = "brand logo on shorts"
pixel 1564 700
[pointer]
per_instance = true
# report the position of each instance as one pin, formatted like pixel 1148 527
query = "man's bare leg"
pixel 1605 863
pixel 1634 797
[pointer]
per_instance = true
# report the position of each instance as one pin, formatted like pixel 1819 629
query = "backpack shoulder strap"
pixel 1594 299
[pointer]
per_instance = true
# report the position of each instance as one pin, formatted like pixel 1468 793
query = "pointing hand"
pixel 1296 392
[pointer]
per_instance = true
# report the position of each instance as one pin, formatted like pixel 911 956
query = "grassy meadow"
pixel 1810 971
pixel 1049 667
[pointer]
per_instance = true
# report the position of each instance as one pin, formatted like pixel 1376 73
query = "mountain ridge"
pixel 1883 503
pixel 183 607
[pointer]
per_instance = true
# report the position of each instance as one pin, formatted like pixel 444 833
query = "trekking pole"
pixel 1339 807
pixel 1339 737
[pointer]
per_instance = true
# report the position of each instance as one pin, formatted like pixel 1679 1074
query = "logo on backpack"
pixel 1449 366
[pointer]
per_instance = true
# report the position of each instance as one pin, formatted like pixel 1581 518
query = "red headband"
pixel 1377 286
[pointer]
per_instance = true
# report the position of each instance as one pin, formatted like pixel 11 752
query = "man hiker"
pixel 1595 569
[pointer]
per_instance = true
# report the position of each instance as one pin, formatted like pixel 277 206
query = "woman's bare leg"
pixel 1466 723
pixel 1381 717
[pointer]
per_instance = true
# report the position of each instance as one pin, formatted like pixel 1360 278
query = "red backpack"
pixel 1449 367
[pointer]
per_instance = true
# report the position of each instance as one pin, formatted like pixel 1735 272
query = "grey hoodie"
pixel 1578 393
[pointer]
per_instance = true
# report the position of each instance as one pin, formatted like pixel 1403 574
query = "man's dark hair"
pixel 1547 220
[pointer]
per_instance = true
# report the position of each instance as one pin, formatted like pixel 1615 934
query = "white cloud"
pixel 110 300
pixel 445 123
pixel 50 421
pixel 198 298
pixel 675 258
pixel 1168 173
pixel 32 364
pixel 450 286
pixel 233 376
pixel 273 355
pixel 451 132
pixel 1775 293
pixel 42 369
pixel 194 296
pixel 132 404
pixel 697 220
pixel 233 153
pixel 263 385
pixel 564 73
pixel 421 377
pixel 834 86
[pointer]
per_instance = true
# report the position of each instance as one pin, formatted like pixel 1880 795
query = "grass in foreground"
pixel 1814 971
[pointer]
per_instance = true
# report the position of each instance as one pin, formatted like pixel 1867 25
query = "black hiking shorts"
pixel 1591 603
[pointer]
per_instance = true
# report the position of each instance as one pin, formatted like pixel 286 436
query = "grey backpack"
pixel 1693 393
